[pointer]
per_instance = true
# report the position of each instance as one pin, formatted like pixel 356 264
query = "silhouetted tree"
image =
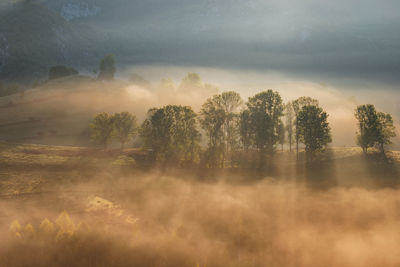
pixel 171 133
pixel 102 128
pixel 297 105
pixel 125 127
pixel 212 120
pixel 368 126
pixel 231 102
pixel 265 110
pixel 386 130
pixel 107 68
pixel 313 128
pixel 223 108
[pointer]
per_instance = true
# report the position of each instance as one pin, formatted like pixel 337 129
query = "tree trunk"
pixel 382 148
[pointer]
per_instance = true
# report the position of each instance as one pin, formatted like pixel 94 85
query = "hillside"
pixel 59 112
pixel 34 37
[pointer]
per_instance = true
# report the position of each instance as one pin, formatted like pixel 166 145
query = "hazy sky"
pixel 311 38
pixel 316 40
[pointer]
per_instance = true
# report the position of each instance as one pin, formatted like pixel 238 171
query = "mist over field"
pixel 199 133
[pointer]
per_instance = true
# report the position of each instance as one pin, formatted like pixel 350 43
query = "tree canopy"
pixel 374 128
pixel 314 129
pixel 265 112
pixel 125 127
pixel 171 133
pixel 102 128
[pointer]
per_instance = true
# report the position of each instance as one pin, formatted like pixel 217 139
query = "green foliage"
pixel 265 112
pixel 120 126
pixel 102 129
pixel 231 102
pixel 171 133
pixel 219 118
pixel 125 127
pixel 386 130
pixel 367 126
pixel 107 68
pixel 297 105
pixel 60 71
pixel 374 128
pixel 313 128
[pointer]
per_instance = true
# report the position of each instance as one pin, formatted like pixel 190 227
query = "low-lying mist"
pixel 59 112
pixel 155 219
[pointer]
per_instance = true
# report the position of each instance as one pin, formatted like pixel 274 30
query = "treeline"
pixel 228 132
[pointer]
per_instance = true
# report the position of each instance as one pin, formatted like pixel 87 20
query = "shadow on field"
pixel 371 171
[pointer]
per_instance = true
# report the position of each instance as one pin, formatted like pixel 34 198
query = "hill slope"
pixel 33 37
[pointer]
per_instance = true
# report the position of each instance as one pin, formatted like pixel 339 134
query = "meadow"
pixel 79 206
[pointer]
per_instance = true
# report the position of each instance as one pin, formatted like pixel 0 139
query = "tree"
pixel 107 68
pixel 386 130
pixel 171 133
pixel 125 127
pixel 212 120
pixel 297 105
pixel 290 123
pixel 191 80
pixel 314 129
pixel 245 129
pixel 219 117
pixel 368 126
pixel 281 134
pixel 60 71
pixel 102 128
pixel 231 102
pixel 265 112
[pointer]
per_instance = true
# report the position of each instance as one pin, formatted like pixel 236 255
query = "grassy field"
pixel 80 206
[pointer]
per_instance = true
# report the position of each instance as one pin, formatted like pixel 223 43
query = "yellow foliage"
pixel 29 231
pixel 46 226
pixel 15 227
pixel 64 235
pixel 64 222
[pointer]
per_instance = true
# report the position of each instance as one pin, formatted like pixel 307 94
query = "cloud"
pixel 356 39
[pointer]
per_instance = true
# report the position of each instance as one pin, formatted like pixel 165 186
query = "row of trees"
pixel 230 127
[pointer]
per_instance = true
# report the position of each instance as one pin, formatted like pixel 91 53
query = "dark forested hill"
pixel 34 37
